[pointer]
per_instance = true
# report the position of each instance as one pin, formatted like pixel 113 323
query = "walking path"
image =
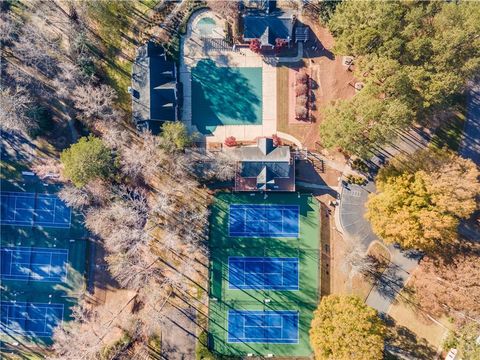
pixel 350 221
pixel 470 147
pixel 315 186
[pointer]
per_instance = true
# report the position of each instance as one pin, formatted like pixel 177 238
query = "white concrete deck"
pixel 193 49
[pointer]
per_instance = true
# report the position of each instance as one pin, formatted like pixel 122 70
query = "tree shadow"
pixel 313 47
pixel 403 342
pixel 224 96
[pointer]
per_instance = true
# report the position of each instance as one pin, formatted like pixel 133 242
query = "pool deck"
pixel 193 49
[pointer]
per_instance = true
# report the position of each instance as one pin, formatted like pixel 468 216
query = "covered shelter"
pixel 265 167
pixel 154 88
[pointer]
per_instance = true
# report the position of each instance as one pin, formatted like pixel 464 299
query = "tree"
pixel 344 328
pixel 411 55
pixel 174 136
pixel 255 46
pixel 142 159
pixel 422 209
pixel 226 9
pixel 321 10
pixel 465 341
pixel 87 160
pixel 74 197
pixel 363 122
pixel 381 35
pixel 13 111
pixel 449 286
pixel 95 102
pixel 88 335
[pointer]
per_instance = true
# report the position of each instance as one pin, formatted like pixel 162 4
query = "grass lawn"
pixel 361 284
pixel 413 334
pixel 222 299
pixel 114 22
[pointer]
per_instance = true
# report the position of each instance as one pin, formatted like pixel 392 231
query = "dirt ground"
pixel 334 81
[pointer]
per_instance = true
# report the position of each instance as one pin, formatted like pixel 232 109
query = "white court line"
pixel 12 305
pixel 28 277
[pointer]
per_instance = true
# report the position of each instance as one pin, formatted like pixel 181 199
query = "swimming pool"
pixel 225 96
pixel 206 25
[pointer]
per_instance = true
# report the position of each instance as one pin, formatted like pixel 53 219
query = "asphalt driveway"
pixel 352 223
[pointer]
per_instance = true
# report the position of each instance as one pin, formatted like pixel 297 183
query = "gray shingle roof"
pixel 268 27
pixel 264 151
pixel 154 84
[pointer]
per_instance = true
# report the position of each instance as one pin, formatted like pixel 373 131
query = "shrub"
pixel 358 180
pixel 201 351
pixel 301 89
pixel 231 141
pixel 301 112
pixel 302 100
pixel 255 46
pixel 360 165
pixel 301 78
pixel 277 141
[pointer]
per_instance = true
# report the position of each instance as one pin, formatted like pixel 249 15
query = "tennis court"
pixel 24 318
pixel 32 209
pixel 249 326
pixel 264 281
pixel 34 264
pixel 262 273
pixel 254 220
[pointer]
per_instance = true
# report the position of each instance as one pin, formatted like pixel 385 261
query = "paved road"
pixel 350 217
pixel 471 142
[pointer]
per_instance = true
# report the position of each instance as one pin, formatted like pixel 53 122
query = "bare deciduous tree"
pixel 8 28
pixel 96 103
pixel 114 137
pixel 77 198
pixel 143 158
pixel 13 106
pixel 135 270
pixel 226 9
pixel 356 261
pixel 67 80
pixel 85 337
pixel 225 165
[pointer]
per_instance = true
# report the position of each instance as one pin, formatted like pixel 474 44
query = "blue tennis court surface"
pixel 277 327
pixel 30 209
pixel 30 318
pixel 263 273
pixel 36 264
pixel 264 220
